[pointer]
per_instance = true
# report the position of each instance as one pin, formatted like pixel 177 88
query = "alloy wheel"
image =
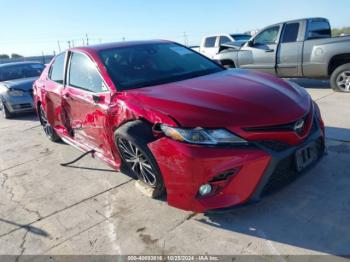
pixel 45 123
pixel 343 81
pixel 137 161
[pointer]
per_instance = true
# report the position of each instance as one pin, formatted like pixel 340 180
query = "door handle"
pixel 269 50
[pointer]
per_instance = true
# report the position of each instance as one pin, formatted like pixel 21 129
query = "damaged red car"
pixel 208 137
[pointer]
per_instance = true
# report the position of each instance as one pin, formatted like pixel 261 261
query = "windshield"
pixel 241 37
pixel 19 71
pixel 153 64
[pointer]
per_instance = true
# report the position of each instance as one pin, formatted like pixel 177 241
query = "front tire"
pixel 5 112
pixel 49 131
pixel 131 140
pixel 340 78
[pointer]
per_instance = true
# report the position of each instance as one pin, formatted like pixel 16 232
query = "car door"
pixel 86 98
pixel 289 55
pixel 210 46
pixel 260 53
pixel 52 89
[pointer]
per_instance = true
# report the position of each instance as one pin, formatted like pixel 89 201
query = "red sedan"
pixel 210 138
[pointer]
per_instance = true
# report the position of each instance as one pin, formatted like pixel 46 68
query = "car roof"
pixel 19 63
pixel 107 46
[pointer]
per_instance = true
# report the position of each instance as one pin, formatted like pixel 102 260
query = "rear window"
pixel 210 42
pixel 290 33
pixel 224 39
pixel 241 37
pixel 57 69
pixel 318 29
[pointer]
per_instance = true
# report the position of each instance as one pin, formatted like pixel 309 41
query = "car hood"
pixel 22 84
pixel 230 98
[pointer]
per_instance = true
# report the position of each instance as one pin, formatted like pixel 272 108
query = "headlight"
pixel 202 136
pixel 15 92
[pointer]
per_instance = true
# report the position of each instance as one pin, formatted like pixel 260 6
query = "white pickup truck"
pixel 210 44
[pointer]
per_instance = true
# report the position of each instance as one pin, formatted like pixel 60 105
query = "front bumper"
pixel 19 104
pixel 255 170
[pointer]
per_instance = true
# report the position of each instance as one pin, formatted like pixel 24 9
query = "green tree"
pixel 4 56
pixel 340 31
pixel 16 56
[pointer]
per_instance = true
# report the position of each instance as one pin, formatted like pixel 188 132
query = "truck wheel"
pixel 5 112
pixel 132 139
pixel 340 78
pixel 227 64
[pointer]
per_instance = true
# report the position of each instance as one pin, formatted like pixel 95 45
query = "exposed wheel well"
pixel 337 61
pixel 228 63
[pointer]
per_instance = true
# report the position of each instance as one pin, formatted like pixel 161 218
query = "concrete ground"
pixel 90 209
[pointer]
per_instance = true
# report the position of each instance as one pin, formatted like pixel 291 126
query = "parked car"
pixel 298 48
pixel 210 44
pixel 16 87
pixel 211 138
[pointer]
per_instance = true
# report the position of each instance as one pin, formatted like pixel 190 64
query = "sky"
pixel 30 27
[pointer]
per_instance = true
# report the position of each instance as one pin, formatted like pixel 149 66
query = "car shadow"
pixel 311 83
pixel 29 228
pixel 311 213
pixel 336 133
pixel 25 117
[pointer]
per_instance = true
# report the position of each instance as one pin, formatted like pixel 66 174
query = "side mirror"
pixel 250 43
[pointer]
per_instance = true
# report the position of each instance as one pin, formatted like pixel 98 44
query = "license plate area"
pixel 306 156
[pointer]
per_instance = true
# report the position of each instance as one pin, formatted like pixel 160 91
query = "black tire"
pixel 139 134
pixel 227 64
pixel 341 74
pixel 49 131
pixel 5 112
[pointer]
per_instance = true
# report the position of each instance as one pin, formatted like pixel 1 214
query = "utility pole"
pixel 68 44
pixel 87 39
pixel 185 39
pixel 59 46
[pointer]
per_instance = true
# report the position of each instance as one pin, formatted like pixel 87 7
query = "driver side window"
pixel 83 74
pixel 268 36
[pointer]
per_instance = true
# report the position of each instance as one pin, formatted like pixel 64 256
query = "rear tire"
pixel 131 140
pixel 340 79
pixel 48 129
pixel 5 112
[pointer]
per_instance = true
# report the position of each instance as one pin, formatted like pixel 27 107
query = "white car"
pixel 210 44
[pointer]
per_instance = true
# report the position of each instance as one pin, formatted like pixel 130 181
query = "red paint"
pixel 232 99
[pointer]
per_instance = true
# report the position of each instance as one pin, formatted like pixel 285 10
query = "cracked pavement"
pixel 90 209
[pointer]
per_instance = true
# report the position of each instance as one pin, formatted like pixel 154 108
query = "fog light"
pixel 205 189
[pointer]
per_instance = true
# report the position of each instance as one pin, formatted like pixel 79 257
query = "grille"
pixel 274 145
pixel 279 146
pixel 285 172
pixel 283 175
pixel 24 106
pixel 283 127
